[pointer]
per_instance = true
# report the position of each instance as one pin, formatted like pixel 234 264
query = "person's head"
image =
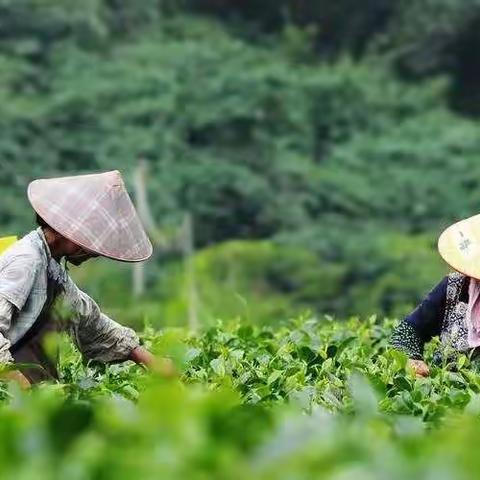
pixel 63 247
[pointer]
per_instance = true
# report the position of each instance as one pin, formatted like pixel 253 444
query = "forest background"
pixel 319 147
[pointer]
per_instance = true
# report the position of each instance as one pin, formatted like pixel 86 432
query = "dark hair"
pixel 41 222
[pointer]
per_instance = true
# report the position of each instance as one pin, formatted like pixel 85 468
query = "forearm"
pixel 104 340
pixel 100 338
pixel 97 336
pixel 6 358
pixel 406 339
pixel 422 324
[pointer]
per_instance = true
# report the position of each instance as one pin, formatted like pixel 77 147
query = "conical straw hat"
pixel 459 246
pixel 93 211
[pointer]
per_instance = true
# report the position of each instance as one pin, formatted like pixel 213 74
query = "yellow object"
pixel 459 246
pixel 5 242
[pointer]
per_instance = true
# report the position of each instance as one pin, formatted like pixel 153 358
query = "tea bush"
pixel 307 399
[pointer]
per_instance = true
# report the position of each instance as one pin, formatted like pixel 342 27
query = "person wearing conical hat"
pixel 79 218
pixel 452 309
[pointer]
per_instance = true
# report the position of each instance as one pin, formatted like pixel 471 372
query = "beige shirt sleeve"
pixel 6 313
pixel 97 336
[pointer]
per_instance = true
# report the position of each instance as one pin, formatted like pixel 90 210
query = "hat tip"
pixel 116 178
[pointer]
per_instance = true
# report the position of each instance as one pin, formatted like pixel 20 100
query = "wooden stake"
pixel 189 260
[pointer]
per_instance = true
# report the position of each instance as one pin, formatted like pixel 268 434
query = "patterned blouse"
pixel 31 280
pixel 442 313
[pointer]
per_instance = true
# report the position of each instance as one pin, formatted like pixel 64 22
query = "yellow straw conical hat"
pixel 94 211
pixel 459 246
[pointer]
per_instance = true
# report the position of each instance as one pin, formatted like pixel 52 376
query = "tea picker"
pixel 452 309
pixel 79 218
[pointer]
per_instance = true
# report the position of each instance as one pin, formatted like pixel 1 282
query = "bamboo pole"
pixel 189 260
pixel 141 205
pixel 185 237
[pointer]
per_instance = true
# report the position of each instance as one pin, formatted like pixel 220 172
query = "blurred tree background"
pixel 320 147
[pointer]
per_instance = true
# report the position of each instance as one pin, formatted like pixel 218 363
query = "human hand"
pixel 18 377
pixel 419 367
pixel 162 366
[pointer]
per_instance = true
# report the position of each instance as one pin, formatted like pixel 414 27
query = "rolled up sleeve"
pixel 6 312
pixel 17 276
pixel 97 336
pixel 422 324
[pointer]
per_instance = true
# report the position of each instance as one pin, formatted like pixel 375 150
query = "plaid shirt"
pixel 30 282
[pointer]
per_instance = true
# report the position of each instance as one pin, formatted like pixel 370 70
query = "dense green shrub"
pixel 259 402
pixel 237 134
pixel 253 142
pixel 317 271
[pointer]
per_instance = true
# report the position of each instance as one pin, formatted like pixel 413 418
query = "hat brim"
pixel 459 246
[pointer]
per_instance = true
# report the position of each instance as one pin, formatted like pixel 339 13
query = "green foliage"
pixel 248 280
pixel 317 178
pixel 234 133
pixel 258 140
pixel 319 399
pixel 409 176
pixel 343 25
pixel 418 38
pixel 312 362
pixel 265 280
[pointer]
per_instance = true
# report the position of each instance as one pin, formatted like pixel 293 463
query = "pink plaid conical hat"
pixel 93 211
